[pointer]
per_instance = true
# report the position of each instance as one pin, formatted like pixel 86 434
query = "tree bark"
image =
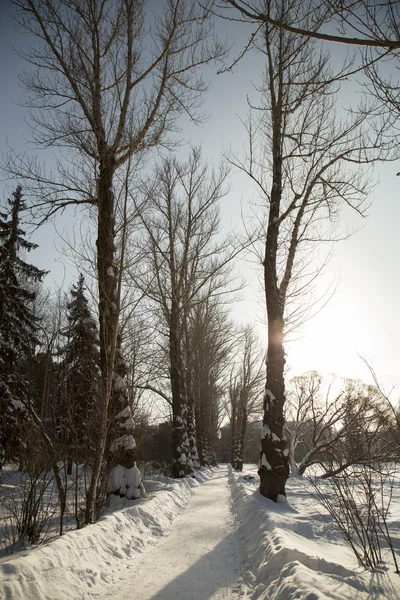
pixel 108 315
pixel 274 461
pixel 180 443
pixel 200 437
pixel 242 435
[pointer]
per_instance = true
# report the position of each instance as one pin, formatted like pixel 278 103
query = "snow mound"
pixel 290 551
pixel 80 563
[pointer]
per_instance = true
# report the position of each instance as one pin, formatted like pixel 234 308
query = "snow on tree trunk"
pixel 124 478
pixel 237 463
pixel 292 451
pixel 108 309
pixel 274 455
pixel 194 456
pixel 239 440
pixel 180 442
pixel 213 455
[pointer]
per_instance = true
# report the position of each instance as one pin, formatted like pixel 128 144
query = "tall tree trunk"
pixel 191 431
pixel 108 315
pixel 121 446
pixel 233 432
pixel 191 425
pixel 274 462
pixel 201 447
pixel 238 441
pixel 180 442
pixel 242 435
pixel 292 454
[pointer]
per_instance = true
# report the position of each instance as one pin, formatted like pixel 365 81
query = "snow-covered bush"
pixel 126 483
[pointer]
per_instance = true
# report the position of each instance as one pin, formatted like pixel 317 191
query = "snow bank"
pixel 292 551
pixel 80 563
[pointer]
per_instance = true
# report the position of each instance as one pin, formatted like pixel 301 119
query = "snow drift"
pixel 79 563
pixel 287 551
pixel 292 551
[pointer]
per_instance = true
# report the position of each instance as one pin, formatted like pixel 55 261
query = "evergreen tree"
pixel 80 376
pixel 18 325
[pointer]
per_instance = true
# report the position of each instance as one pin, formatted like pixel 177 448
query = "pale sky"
pixel 363 316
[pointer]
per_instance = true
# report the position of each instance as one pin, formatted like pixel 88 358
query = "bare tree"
pixel 389 412
pixel 213 341
pixel 185 264
pixel 300 156
pixel 301 423
pixel 368 27
pixel 107 89
pixel 335 425
pixel 245 391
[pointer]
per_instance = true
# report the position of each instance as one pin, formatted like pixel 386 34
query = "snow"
pixel 265 463
pixel 126 442
pixel 269 396
pixel 292 550
pixel 267 433
pixel 116 480
pixel 125 416
pixel 126 482
pixel 198 560
pixel 118 383
pixel 79 564
pixel 209 537
pixel 89 322
pixel 132 477
pixel 132 490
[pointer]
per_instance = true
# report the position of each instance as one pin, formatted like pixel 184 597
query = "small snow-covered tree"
pixel 80 379
pixel 18 325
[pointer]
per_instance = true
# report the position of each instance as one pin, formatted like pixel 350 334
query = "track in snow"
pixel 198 560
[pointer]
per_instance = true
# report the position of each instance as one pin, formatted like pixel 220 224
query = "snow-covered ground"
pixel 211 537
pixel 199 558
pixel 292 550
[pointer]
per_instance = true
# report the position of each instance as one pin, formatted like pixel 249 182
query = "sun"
pixel 331 343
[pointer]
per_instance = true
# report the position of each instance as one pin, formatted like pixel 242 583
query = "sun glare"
pixel 332 343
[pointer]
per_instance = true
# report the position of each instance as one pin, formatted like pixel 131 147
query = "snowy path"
pixel 198 560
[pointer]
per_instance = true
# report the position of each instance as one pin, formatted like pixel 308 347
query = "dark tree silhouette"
pixel 18 325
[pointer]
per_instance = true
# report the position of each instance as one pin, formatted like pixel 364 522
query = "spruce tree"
pixel 80 377
pixel 18 325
